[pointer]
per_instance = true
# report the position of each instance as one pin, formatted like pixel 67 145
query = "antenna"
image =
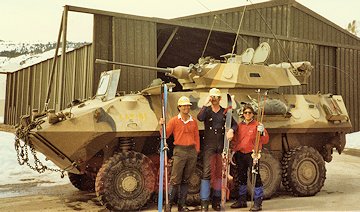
pixel 223 22
pixel 238 32
pixel 277 40
pixel 208 38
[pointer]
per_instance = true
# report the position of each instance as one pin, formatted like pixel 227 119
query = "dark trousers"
pixel 244 163
pixel 184 164
pixel 213 147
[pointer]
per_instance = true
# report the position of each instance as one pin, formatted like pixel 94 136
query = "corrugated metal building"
pixel 303 34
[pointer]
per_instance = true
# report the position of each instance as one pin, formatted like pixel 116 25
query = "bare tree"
pixel 353 27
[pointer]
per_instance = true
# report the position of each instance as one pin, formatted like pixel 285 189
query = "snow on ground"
pixel 13 173
pixel 353 140
pixel 25 60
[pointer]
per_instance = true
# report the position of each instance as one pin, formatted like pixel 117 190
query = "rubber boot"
pixel 205 194
pixel 241 202
pixel 182 198
pixel 173 190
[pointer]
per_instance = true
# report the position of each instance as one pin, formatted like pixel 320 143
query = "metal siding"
pixel 27 88
pixel 102 44
pixel 256 21
pixel 246 42
pixel 135 42
pixel 350 82
pixel 269 19
pixel 279 18
pixel 342 80
pixel 246 21
pixel 8 98
pixel 356 118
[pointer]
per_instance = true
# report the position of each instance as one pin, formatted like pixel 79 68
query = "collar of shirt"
pixel 187 121
pixel 244 122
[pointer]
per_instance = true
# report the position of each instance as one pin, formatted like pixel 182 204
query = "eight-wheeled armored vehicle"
pixel 110 143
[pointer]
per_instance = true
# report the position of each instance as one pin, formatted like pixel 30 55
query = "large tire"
pixel 125 181
pixel 193 196
pixel 270 172
pixel 82 182
pixel 304 171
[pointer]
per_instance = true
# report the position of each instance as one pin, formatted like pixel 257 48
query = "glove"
pixel 260 128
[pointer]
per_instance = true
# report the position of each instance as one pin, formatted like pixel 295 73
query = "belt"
pixel 217 130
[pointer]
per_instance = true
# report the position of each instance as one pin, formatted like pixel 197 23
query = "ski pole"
pixel 162 149
pixel 165 147
pixel 256 153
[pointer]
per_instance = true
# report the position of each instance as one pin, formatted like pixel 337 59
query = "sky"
pixel 39 20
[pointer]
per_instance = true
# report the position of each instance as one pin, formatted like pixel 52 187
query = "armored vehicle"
pixel 110 143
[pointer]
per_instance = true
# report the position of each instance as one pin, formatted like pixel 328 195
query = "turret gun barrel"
pixel 163 70
pixel 179 72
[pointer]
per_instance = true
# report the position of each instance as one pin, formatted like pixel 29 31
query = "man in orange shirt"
pixel 187 145
pixel 244 143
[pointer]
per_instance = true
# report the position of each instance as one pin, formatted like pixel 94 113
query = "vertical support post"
pixel 62 80
pixel 54 64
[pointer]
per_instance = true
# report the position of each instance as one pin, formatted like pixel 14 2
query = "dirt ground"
pixel 7 128
pixel 341 192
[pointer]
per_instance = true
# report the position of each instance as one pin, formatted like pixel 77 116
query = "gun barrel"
pixel 163 70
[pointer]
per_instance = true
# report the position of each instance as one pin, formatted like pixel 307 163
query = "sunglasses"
pixel 248 112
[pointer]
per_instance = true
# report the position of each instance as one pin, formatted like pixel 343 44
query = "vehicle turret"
pixel 247 70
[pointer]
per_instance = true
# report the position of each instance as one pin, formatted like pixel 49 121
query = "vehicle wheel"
pixel 83 182
pixel 125 181
pixel 304 171
pixel 270 172
pixel 193 196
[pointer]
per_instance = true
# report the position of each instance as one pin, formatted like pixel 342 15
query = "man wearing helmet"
pixel 214 117
pixel 187 146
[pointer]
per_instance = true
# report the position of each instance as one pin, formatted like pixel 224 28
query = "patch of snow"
pixel 13 173
pixel 1 120
pixel 353 140
pixel 25 60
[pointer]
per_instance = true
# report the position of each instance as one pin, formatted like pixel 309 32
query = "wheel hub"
pixel 129 183
pixel 307 172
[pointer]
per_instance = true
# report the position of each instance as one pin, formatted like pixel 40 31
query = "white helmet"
pixel 184 101
pixel 214 92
